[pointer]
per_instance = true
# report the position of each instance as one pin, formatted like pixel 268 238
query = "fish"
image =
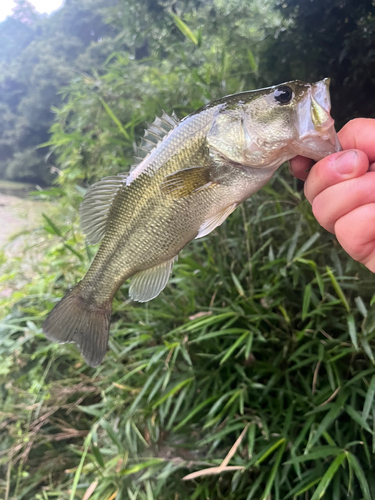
pixel 189 176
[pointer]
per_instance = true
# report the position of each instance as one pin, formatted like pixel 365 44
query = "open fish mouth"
pixel 317 134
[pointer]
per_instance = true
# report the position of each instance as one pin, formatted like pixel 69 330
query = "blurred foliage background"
pixel 262 346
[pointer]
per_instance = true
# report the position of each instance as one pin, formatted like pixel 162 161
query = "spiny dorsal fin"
pixel 96 205
pixel 154 134
pixel 147 285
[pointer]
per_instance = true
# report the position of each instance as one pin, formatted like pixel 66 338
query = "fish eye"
pixel 283 94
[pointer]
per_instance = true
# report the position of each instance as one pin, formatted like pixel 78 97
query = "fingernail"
pixel 346 162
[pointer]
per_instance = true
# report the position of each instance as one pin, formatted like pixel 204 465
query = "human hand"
pixel 341 190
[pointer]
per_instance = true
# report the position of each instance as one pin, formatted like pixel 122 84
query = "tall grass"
pixel 266 331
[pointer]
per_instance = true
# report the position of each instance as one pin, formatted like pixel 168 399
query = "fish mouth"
pixel 317 134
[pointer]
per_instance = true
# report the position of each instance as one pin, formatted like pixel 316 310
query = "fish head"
pixel 264 128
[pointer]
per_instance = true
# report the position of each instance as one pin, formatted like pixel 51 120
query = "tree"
pixel 341 46
pixel 39 56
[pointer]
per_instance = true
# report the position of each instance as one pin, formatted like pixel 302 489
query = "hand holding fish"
pixel 341 190
pixel 189 176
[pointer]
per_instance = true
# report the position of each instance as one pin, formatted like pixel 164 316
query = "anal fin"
pixel 187 181
pixel 147 285
pixel 215 221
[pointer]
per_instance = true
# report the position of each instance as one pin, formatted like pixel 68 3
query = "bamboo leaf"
pixel 173 391
pixel 185 30
pixel 369 401
pixel 338 289
pixel 52 225
pixel 328 476
pixel 112 115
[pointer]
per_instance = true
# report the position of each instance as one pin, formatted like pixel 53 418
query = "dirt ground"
pixel 16 215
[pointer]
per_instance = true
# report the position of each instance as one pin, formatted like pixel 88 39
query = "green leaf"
pixel 318 452
pixel 52 225
pixel 252 62
pixel 234 346
pixel 328 476
pixel 114 118
pixel 306 301
pixel 185 30
pixel 112 435
pixel 358 418
pixel 369 401
pixel 196 410
pixel 328 420
pixel 77 475
pixel 274 470
pixel 77 254
pixel 352 330
pixel 337 288
pixel 173 391
pixel 358 471
pixel 269 450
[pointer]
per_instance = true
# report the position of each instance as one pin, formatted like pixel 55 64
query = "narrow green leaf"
pixel 114 118
pixel 271 477
pixel 97 455
pixel 233 347
pixel 326 422
pixel 367 348
pixel 337 288
pixel 358 471
pixel 318 452
pixel 173 391
pixel 270 450
pixel 185 30
pixel 328 476
pixel 306 301
pixel 301 488
pixel 238 286
pixel 352 331
pixel 112 435
pixel 252 62
pixel 357 418
pixel 77 475
pixel 194 412
pixel 361 306
pixel 77 254
pixel 369 401
pixel 309 243
pixel 141 466
pixel 52 225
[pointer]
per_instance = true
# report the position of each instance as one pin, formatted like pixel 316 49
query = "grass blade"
pixel 328 476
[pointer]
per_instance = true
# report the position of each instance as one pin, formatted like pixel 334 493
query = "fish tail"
pixel 73 319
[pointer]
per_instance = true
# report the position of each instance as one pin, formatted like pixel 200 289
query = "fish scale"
pixel 190 177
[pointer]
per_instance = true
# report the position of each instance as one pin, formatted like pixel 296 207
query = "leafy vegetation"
pixel 252 375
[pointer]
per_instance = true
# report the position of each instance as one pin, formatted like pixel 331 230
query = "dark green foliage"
pixel 261 326
pixel 335 39
pixel 266 327
pixel 37 57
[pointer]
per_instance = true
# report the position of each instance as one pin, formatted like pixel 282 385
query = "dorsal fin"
pixel 96 205
pixel 154 134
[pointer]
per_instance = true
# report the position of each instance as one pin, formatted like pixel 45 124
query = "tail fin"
pixel 74 320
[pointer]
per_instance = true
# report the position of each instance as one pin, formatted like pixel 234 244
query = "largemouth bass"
pixel 190 176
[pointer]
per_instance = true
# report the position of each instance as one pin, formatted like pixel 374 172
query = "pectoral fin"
pixel 215 221
pixel 147 285
pixel 187 181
